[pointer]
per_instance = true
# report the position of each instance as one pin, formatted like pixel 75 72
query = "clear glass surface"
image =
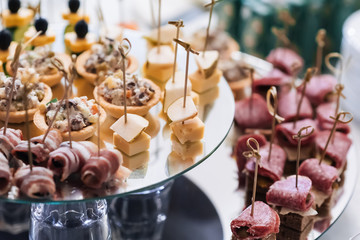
pixel 155 167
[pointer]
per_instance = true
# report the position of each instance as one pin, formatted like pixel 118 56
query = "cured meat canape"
pixel 65 160
pixel 274 78
pixel 252 112
pixel 286 60
pixel 293 204
pixel 264 224
pixel 100 169
pixel 40 150
pixel 7 142
pixel 38 183
pixel 323 111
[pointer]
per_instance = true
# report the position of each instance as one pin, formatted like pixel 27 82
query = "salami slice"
pixel 264 222
pixel 337 149
pixel 273 168
pixel 319 87
pixel 322 176
pixel 285 131
pixel 286 60
pixel 255 117
pixel 323 113
pixel 283 193
pixel 288 103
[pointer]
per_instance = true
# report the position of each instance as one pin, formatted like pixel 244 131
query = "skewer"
pixel 309 74
pixel 152 13
pixel 123 55
pixel 188 49
pixel 273 112
pixel 336 119
pixel 287 19
pixel 281 37
pixel 299 136
pixel 253 152
pixel 211 5
pixel 320 40
pixel 159 32
pixel 178 24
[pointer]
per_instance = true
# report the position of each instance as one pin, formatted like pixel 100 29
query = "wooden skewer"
pixel 336 119
pixel 281 37
pixel 188 49
pixel 211 5
pixel 253 152
pixel 159 32
pixel 299 136
pixel 25 102
pixel 287 19
pixel 123 55
pixel 178 24
pixel 309 74
pixel 320 40
pixel 273 112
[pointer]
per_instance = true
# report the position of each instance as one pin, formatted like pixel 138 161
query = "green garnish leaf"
pixel 52 101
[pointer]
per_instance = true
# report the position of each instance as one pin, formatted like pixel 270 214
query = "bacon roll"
pixel 100 169
pixel 5 174
pixel 9 141
pixel 65 160
pixel 40 150
pixel 38 183
pixel 263 223
pixel 284 193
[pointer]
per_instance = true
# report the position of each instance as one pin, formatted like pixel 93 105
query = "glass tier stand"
pixel 138 206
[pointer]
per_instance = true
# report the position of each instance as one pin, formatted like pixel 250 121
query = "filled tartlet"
pixel 141 95
pixel 104 56
pixel 40 60
pixel 83 117
pixel 39 93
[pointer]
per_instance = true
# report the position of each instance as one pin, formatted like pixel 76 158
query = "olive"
pixel 81 29
pixel 41 24
pixel 74 5
pixel 14 5
pixel 5 39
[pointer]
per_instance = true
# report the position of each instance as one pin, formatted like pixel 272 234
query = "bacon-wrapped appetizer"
pixel 40 60
pixel 40 150
pixel 288 103
pixel 324 179
pixel 264 224
pixel 5 175
pixel 38 183
pixel 12 138
pixel 65 160
pixel 104 56
pixel 286 60
pixel 141 95
pixel 294 205
pixel 100 169
pixel 323 111
pixel 40 94
pixel 83 118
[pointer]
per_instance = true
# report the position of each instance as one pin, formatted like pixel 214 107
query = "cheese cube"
pixel 134 162
pixel 209 96
pixel 139 144
pixel 177 112
pixel 207 62
pixel 175 90
pixel 190 130
pixel 159 74
pixel 188 149
pixel 195 97
pixel 132 128
pixel 201 84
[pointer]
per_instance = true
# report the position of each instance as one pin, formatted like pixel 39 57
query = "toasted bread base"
pixel 19 116
pixel 50 80
pixel 91 77
pixel 81 135
pixel 118 111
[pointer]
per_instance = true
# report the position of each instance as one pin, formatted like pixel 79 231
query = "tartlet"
pixel 19 116
pixel 118 110
pixel 91 77
pixel 49 79
pixel 79 135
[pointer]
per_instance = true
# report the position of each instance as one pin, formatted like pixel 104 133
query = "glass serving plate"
pixel 151 168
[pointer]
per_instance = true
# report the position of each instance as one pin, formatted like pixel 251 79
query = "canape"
pixel 83 116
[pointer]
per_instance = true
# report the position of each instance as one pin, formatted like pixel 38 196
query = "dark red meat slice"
pixel 322 176
pixel 275 78
pixel 323 113
pixel 264 222
pixel 257 117
pixel 283 193
pixel 337 149
pixel 286 60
